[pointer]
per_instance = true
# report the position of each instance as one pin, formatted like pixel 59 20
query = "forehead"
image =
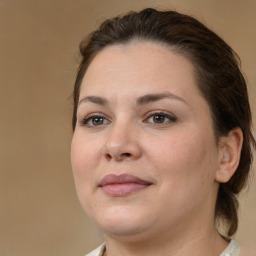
pixel 137 64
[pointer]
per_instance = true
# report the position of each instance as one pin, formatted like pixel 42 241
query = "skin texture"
pixel 178 156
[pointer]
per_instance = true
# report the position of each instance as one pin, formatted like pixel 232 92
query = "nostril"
pixel 126 154
pixel 118 157
pixel 108 156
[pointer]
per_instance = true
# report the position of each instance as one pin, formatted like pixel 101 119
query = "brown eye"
pixel 159 118
pixel 94 121
pixel 97 120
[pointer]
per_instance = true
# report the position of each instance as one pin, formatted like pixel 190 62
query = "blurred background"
pixel 39 211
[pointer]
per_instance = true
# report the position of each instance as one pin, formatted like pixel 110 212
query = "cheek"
pixel 182 163
pixel 186 172
pixel 85 155
pixel 84 159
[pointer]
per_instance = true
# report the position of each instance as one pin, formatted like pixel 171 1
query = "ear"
pixel 229 152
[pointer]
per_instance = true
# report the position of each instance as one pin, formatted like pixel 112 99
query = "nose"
pixel 122 144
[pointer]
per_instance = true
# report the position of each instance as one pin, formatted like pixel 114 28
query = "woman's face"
pixel 144 155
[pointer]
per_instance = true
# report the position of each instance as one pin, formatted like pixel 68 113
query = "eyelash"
pixel 171 119
pixel 90 117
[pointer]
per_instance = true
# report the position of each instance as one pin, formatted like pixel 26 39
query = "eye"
pixel 160 118
pixel 94 120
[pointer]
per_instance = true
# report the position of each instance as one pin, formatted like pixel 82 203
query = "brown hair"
pixel 218 77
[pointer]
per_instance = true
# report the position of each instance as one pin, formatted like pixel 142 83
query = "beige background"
pixel 39 212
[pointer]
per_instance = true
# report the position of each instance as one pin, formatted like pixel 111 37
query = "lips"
pixel 122 185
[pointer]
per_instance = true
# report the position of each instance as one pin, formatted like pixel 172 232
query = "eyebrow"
pixel 143 100
pixel 149 98
pixel 94 99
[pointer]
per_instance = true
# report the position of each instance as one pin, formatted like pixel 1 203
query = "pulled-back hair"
pixel 217 73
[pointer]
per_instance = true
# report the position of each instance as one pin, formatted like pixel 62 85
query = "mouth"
pixel 122 185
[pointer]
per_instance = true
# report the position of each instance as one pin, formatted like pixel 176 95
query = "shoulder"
pixel 98 251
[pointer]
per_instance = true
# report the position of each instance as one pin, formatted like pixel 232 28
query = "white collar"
pixel 232 250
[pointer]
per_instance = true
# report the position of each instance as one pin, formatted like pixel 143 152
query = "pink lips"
pixel 122 185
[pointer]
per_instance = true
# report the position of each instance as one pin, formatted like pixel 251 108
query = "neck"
pixel 194 244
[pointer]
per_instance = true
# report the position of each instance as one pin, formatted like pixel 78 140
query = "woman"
pixel 162 140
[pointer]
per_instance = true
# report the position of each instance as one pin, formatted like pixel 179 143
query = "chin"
pixel 122 222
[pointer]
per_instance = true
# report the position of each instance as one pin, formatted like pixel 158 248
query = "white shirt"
pixel 232 250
